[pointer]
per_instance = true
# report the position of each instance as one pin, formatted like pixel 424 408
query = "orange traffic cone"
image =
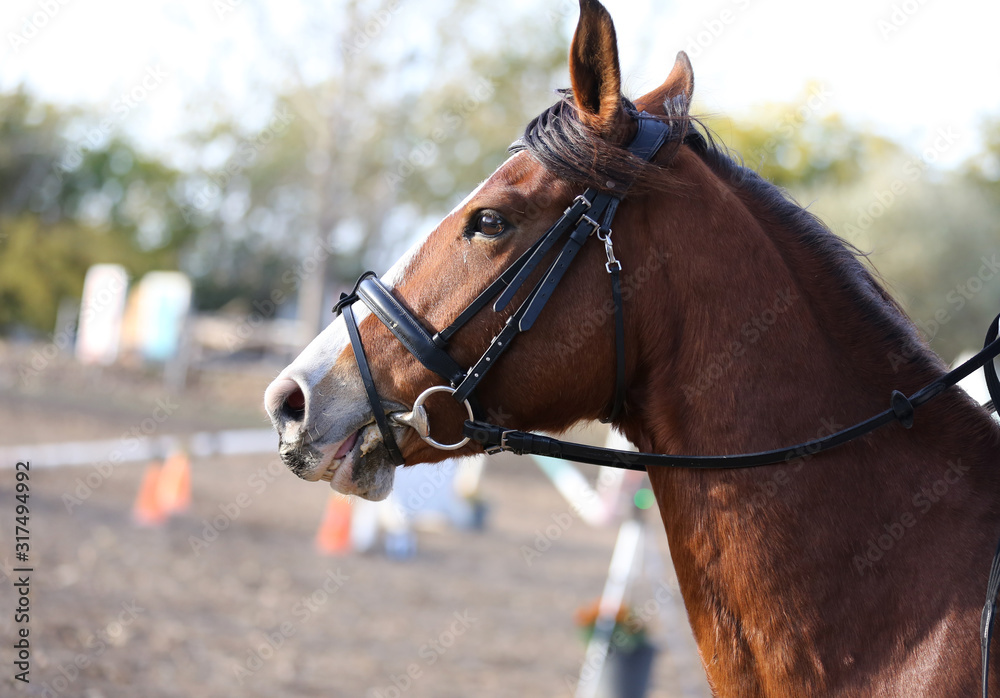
pixel 334 534
pixel 146 511
pixel 173 489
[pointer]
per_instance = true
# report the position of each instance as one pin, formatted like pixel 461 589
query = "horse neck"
pixel 764 346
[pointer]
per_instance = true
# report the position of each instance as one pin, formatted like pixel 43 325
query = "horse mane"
pixel 562 144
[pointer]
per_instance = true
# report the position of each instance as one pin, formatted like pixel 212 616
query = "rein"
pixel 591 214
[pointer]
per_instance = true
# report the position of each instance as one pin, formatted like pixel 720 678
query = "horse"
pixel 747 325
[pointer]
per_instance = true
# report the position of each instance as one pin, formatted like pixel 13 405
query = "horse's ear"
pixel 679 85
pixel 594 70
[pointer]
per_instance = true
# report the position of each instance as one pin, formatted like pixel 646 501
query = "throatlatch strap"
pixel 388 438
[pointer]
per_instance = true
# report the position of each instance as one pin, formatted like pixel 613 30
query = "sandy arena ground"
pixel 258 612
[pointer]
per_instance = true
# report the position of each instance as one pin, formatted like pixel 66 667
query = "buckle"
pixel 502 446
pixel 591 222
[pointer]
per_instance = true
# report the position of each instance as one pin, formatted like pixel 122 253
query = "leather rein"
pixel 592 214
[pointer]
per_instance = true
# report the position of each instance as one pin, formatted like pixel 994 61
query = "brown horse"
pixel 749 326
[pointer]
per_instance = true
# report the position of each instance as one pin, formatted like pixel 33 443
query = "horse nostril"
pixel 294 406
pixel 285 402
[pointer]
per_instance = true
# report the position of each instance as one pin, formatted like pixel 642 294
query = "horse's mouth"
pixel 343 450
pixel 355 465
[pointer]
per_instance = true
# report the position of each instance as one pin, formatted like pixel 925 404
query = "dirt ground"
pixel 121 610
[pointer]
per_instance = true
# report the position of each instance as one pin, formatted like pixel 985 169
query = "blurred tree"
pixel 984 169
pixel 801 145
pixel 406 123
pixel 930 234
pixel 66 204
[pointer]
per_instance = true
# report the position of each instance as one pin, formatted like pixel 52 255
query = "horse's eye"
pixel 490 223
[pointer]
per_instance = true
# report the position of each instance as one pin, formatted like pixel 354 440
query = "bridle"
pixel 591 214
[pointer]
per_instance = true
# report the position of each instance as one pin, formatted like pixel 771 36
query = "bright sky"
pixel 904 67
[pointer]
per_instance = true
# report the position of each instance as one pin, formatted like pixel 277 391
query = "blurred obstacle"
pixel 334 534
pixel 146 511
pixel 101 311
pixel 173 489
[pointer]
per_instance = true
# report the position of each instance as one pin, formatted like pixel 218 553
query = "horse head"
pixel 558 373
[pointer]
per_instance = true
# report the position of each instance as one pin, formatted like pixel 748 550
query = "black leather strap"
pixel 408 329
pixel 990 369
pixel 650 135
pixel 986 620
pixel 388 438
pixel 488 294
pixel 993 585
pixel 569 219
pixel 616 296
pixel 526 314
pixel 495 438
pixel 547 286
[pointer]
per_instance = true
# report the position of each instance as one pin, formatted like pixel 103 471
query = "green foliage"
pixel 42 263
pixel 353 164
pixel 928 233
pixel 797 146
pixel 65 205
pixel 367 160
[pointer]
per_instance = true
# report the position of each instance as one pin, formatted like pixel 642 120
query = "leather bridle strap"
pixel 588 214
pixel 616 297
pixel 388 438
pixel 407 329
pixel 495 438
pixel 993 585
